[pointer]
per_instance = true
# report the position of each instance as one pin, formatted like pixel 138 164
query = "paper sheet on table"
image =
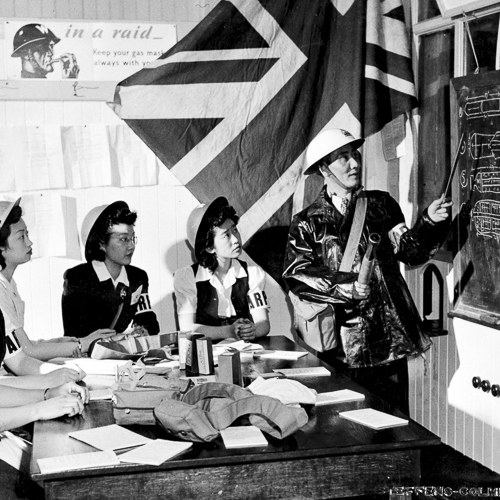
pixel 156 452
pixel 313 371
pixel 239 345
pixel 110 437
pixel 340 396
pixel 245 436
pixel 77 461
pixel 92 366
pixel 293 355
pixel 15 451
pixel 373 418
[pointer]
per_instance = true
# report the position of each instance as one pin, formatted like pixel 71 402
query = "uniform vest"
pixel 207 310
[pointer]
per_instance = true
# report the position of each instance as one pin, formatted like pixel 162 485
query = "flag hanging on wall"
pixel 231 108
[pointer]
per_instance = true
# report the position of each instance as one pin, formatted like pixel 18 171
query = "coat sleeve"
pixel 417 245
pixel 305 273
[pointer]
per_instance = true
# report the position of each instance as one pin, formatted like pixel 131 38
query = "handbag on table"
pixel 136 394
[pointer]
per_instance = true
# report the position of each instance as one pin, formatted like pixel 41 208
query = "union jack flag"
pixel 231 108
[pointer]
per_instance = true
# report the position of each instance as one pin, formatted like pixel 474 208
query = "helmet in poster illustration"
pixel 29 34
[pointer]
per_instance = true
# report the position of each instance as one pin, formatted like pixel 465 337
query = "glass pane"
pixel 434 73
pixel 484 33
pixel 427 9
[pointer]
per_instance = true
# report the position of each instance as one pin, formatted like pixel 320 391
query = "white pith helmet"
pixel 325 143
pixel 93 217
pixel 6 208
pixel 197 223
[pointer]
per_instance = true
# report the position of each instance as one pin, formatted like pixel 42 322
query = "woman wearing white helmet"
pixel 376 325
pixel 22 356
pixel 220 295
pixel 107 292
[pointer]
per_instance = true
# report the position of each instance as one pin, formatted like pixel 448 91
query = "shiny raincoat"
pixel 386 326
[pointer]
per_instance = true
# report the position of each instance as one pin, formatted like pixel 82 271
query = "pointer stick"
pixel 454 167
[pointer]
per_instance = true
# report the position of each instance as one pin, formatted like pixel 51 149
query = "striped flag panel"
pixel 231 108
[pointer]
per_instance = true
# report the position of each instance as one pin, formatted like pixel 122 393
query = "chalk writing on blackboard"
pixel 477 266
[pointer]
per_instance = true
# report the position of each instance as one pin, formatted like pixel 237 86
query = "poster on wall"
pixel 61 50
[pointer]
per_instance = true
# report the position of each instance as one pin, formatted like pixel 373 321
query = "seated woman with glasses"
pixel 220 295
pixel 106 291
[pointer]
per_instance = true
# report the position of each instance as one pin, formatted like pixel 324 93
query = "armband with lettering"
pixel 143 304
pixel 395 235
pixel 257 300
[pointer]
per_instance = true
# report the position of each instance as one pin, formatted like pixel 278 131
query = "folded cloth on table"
pixel 208 408
pixel 286 390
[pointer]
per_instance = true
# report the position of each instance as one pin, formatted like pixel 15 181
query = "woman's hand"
pixel 439 210
pixel 244 329
pixel 139 331
pixel 360 291
pixel 69 389
pixel 70 405
pixel 102 333
pixel 62 376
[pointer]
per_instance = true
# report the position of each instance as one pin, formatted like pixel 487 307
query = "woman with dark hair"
pixel 107 292
pixel 21 406
pixel 220 295
pixel 15 250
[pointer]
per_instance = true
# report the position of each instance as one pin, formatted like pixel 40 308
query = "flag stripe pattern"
pixel 231 108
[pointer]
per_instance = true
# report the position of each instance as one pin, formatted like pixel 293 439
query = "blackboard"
pixel 477 264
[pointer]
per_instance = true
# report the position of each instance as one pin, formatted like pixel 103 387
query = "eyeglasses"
pixel 126 240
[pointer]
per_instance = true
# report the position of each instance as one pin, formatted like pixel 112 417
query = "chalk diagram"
pixel 484 151
pixel 481 106
pixel 486 218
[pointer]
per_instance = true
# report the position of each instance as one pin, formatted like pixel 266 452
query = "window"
pixel 446 48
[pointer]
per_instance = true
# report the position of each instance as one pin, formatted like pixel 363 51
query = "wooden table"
pixel 329 457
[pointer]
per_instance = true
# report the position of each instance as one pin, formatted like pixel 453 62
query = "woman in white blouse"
pixel 220 295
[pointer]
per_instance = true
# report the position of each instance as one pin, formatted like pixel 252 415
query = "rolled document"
pixel 365 273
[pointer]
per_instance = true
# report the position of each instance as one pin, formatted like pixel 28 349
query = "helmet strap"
pixel 36 67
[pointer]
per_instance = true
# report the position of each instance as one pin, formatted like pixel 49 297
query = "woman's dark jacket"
pixel 89 304
pixel 386 326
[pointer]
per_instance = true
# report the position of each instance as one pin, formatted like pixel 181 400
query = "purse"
pixel 315 322
pixel 208 408
pixel 134 402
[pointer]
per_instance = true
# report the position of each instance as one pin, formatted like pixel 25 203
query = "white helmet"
pixel 197 224
pixel 6 208
pixel 325 143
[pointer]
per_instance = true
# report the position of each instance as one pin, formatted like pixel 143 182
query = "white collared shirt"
pixel 187 295
pixel 337 200
pixel 103 274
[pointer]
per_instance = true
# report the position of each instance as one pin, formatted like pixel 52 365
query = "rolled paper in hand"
pixel 365 273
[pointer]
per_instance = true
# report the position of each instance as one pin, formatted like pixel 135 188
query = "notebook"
pixel 156 452
pixel 77 461
pixel 313 371
pixel 245 436
pixel 373 418
pixel 110 437
pixel 340 396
